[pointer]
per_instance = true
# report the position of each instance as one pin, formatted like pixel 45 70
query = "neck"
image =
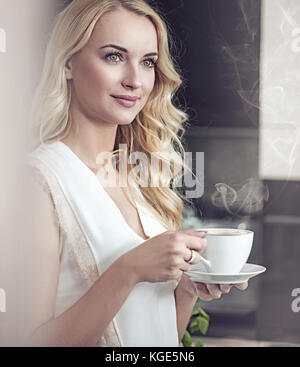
pixel 88 139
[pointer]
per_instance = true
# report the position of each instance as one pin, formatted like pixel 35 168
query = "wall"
pixel 279 90
pixel 25 26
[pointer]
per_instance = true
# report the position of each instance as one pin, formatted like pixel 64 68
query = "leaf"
pixel 194 322
pixel 199 343
pixel 203 324
pixel 187 339
pixel 204 314
pixel 199 311
pixel 194 326
pixel 196 311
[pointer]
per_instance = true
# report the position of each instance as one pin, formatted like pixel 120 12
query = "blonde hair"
pixel 156 130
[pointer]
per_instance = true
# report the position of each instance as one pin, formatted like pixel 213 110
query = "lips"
pixel 126 101
pixel 128 98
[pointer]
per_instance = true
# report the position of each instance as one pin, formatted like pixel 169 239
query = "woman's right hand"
pixel 165 257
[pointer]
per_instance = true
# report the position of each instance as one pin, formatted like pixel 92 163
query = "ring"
pixel 190 261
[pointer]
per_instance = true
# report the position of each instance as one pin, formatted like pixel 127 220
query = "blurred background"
pixel 240 64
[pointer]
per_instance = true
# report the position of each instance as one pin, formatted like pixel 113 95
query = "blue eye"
pixel 115 57
pixel 152 63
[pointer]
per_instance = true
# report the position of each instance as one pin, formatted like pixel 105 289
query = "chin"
pixel 124 123
pixel 126 120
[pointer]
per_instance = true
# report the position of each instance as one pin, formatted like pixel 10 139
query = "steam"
pixel 277 94
pixel 248 197
pixel 242 56
pixel 249 10
pixel 244 200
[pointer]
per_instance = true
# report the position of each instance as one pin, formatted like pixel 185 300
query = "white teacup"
pixel 227 249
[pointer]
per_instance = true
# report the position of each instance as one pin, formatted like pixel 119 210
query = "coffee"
pixel 237 233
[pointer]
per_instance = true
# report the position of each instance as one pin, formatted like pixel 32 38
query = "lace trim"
pixel 70 230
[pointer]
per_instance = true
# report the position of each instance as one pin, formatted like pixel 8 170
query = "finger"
pixel 202 292
pixel 196 242
pixel 241 286
pixel 187 254
pixel 192 232
pixel 178 275
pixel 225 288
pixel 187 257
pixel 185 266
pixel 214 290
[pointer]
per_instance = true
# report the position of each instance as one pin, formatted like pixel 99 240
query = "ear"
pixel 68 70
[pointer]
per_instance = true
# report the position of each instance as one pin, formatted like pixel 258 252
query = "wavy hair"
pixel 157 129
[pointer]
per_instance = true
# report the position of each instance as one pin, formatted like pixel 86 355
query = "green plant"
pixel 199 322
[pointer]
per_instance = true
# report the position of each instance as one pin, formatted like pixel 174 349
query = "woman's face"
pixel 99 72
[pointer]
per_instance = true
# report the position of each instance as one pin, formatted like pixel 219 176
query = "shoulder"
pixel 40 201
pixel 36 186
pixel 49 196
pixel 35 183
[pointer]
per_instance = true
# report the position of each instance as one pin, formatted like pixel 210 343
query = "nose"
pixel 132 77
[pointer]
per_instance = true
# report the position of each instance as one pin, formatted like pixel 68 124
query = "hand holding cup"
pixel 166 256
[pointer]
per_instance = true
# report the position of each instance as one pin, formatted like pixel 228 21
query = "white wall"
pixel 25 26
pixel 280 90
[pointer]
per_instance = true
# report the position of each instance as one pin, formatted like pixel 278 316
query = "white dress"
pixel 93 234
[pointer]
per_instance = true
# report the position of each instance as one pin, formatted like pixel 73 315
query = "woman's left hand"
pixel 207 292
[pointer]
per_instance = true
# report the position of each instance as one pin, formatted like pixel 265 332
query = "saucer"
pixel 199 274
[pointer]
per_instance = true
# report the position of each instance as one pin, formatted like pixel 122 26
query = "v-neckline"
pixel 90 172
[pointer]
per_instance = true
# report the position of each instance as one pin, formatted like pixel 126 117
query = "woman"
pixel 106 256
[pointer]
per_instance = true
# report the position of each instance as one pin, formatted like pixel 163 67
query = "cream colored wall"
pixel 280 90
pixel 25 26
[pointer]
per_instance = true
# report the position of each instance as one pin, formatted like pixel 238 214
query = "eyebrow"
pixel 126 51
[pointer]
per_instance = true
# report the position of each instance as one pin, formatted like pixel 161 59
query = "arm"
pixel 186 294
pixel 185 303
pixel 85 321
